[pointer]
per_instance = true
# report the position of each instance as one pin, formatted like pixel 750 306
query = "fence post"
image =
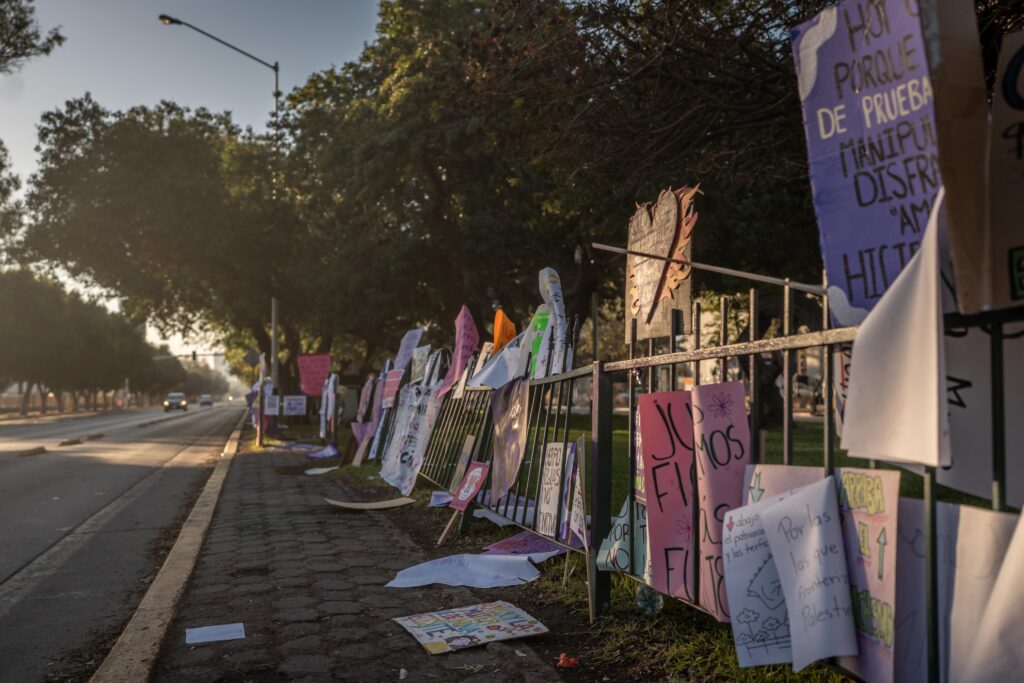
pixel 826 386
pixel 755 390
pixel 998 418
pixel 600 484
pixel 787 377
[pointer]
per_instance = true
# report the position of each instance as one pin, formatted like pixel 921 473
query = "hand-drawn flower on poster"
pixel 655 287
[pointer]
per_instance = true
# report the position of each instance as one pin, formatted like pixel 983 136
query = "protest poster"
pixel 386 444
pixel 871 143
pixel 407 347
pixel 402 468
pixel 271 404
pixel 509 412
pixel 655 287
pixel 501 367
pixel 625 551
pixel 721 437
pixel 868 510
pixel 460 386
pixel 295 405
pixel 760 624
pixel 638 460
pixel 554 341
pixel 486 351
pixel 668 461
pixel 463 461
pixel 328 405
pixel 313 371
pixel 504 330
pixel 392 381
pixel 806 542
pixel 578 517
pixel 524 543
pixel 569 467
pixel 467 339
pixel 550 488
pixel 535 337
pixel 476 474
pixel 462 627
pixel 418 365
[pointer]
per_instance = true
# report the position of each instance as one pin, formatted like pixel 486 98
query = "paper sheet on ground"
pixel 371 505
pixel 462 627
pixel 489 570
pixel 313 471
pixel 211 634
pixel 328 451
pixel 440 499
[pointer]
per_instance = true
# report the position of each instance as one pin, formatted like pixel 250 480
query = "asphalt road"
pixel 83 528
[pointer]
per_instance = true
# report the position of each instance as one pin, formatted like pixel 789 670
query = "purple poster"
pixel 869 118
pixel 510 414
pixel 467 339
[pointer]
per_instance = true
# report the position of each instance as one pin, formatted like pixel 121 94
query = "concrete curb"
pixel 138 646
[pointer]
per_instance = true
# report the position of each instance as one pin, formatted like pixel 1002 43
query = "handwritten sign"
pixel 504 330
pixel 509 410
pixel 551 292
pixel 402 463
pixel 568 468
pixel 271 404
pixel 805 538
pixel 550 488
pixel 868 509
pixel 871 143
pixel 467 338
pixel 721 434
pixel 668 462
pixel 419 362
pixel 313 371
pixel 578 517
pixel 1006 192
pixel 760 623
pixel 462 627
pixel 623 550
pixel 294 405
pixel 392 381
pixel 407 347
pixel 470 486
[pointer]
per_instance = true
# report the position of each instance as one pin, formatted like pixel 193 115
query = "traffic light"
pixel 194 357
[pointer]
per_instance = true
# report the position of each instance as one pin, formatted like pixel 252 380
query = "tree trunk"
pixel 74 401
pixel 59 394
pixel 44 396
pixel 26 397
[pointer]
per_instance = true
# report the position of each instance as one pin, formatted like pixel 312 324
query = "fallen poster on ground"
pixel 407 347
pixel 313 371
pixel 668 461
pixel 806 542
pixel 524 543
pixel 509 410
pixel 392 381
pixel 872 145
pixel 369 505
pixel 868 508
pixel 475 477
pixel 462 627
pixel 271 404
pixel 551 487
pixel 721 436
pixel 488 570
pixel 294 405
pixel 467 339
pixel 623 550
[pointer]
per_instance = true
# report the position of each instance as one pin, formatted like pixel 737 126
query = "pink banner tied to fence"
pixel 721 435
pixel 668 458
pixel 467 339
pixel 313 371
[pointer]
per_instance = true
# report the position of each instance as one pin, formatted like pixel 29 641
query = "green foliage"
pixel 21 37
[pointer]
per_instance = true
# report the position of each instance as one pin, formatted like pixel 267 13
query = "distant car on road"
pixel 205 400
pixel 175 401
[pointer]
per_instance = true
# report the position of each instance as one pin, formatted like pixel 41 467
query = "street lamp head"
pixel 169 20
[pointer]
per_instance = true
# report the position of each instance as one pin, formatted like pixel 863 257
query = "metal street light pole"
pixel 275 67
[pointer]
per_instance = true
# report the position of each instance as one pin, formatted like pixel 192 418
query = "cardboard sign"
pixel 467 339
pixel 551 488
pixel 872 145
pixel 868 508
pixel 271 404
pixel 668 461
pixel 462 627
pixel 721 434
pixel 419 363
pixel 509 408
pixel 504 330
pixel 313 371
pixel 392 381
pixel 806 542
pixel 463 462
pixel 294 405
pixel 475 477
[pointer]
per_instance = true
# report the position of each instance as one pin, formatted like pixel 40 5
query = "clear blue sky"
pixel 121 53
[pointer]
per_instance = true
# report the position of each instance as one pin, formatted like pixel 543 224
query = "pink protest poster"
pixel 868 507
pixel 470 486
pixel 467 339
pixel 721 435
pixel 667 445
pixel 313 370
pixel 392 380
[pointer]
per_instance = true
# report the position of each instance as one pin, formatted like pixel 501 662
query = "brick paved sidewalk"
pixel 307 581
